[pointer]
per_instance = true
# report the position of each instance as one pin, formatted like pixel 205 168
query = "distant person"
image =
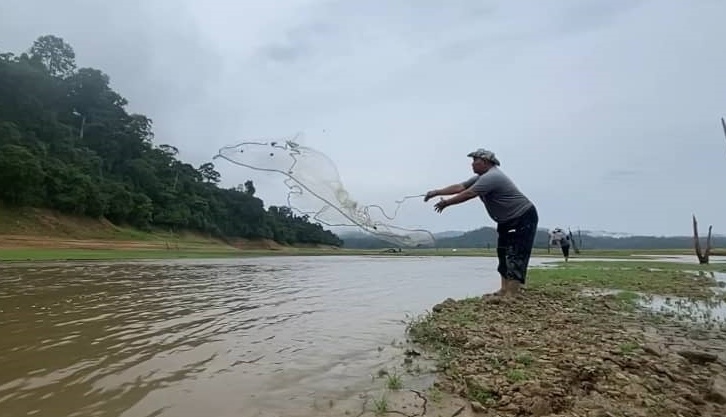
pixel 516 216
pixel 559 237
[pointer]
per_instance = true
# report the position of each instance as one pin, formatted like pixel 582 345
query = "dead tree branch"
pixel 575 244
pixel 702 256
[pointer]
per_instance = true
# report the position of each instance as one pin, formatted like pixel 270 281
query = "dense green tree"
pixel 68 143
pixel 55 55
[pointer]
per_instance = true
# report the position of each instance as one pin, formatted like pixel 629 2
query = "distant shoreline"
pixel 37 248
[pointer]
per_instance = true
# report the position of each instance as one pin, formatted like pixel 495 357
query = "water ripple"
pixel 189 338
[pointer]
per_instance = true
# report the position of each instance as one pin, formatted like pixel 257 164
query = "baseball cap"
pixel 484 154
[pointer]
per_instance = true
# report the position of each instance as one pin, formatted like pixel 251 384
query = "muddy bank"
pixel 564 352
pixel 15 242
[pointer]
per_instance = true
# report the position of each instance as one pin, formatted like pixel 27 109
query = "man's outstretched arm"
pixel 481 186
pixel 451 189
pixel 461 197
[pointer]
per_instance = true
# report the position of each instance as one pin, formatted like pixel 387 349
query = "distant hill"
pixel 447 234
pixel 448 239
pixel 356 234
pixel 487 236
pixel 362 240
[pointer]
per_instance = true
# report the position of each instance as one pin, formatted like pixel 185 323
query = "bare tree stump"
pixel 575 244
pixel 702 255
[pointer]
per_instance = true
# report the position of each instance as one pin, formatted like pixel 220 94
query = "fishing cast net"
pixel 316 190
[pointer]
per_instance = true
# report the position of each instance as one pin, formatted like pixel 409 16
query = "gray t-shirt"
pixel 500 196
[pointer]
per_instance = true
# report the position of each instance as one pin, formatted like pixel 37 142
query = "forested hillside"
pixel 67 143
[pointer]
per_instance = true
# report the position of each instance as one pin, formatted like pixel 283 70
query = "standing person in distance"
pixel 516 216
pixel 559 237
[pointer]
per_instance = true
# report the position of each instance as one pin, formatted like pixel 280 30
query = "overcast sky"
pixel 604 112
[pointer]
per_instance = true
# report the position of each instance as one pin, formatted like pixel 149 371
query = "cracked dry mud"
pixel 568 355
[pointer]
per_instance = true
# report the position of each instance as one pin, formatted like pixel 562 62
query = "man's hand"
pixel 441 205
pixel 457 199
pixel 431 194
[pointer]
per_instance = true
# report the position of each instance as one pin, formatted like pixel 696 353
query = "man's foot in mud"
pixel 504 290
pixel 496 294
pixel 514 288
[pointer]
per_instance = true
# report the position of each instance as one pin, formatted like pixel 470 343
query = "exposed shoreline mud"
pixel 560 352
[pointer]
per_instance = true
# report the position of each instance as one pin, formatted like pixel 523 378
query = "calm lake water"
pixel 270 336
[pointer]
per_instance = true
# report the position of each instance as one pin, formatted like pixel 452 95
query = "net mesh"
pixel 316 190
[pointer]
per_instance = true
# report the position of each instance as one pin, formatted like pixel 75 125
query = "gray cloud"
pixel 604 112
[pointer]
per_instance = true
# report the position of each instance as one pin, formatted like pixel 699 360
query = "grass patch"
pixel 516 375
pixel 641 277
pixel 628 347
pixel 466 315
pixel 394 382
pixel 481 395
pixel 524 359
pixel 627 300
pixel 627 297
pixel 644 264
pixel 434 394
pixel 380 405
pixel 422 328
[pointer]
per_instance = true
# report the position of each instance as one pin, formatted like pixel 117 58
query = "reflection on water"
pixel 701 311
pixel 711 311
pixel 714 259
pixel 210 338
pixel 686 309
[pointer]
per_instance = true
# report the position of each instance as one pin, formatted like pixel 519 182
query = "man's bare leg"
pixel 514 287
pixel 503 286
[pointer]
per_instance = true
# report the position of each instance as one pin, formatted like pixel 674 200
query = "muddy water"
pixel 268 336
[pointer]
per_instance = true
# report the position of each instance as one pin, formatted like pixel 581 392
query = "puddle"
pixel 590 292
pixel 719 277
pixel 678 258
pixel 684 309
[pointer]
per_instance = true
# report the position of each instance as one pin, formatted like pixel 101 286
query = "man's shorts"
pixel 514 245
